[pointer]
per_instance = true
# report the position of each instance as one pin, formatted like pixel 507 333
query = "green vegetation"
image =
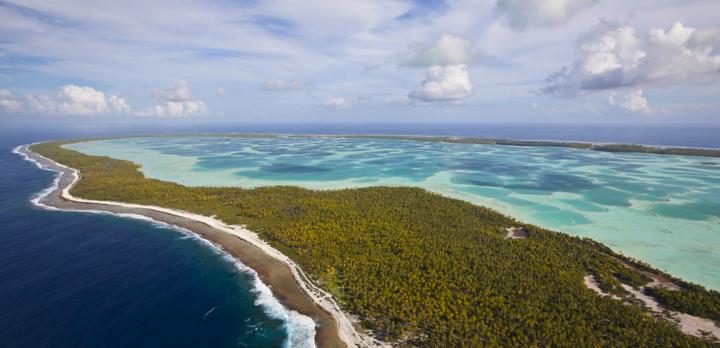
pixel 544 143
pixel 658 150
pixel 418 268
pixel 691 300
pixel 457 140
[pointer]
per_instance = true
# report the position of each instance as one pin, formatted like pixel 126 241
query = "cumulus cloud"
pixel 447 59
pixel 87 101
pixel 172 108
pixel 336 103
pixel 634 101
pixel 179 92
pixel 283 85
pixel 521 14
pixel 444 83
pixel 40 103
pixel 449 49
pixel 9 102
pixel 613 56
pixel 683 54
pixel 118 104
pixel 77 100
pixel 175 101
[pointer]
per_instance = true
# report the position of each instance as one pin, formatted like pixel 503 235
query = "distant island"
pixel 407 267
pixel 660 150
pixel 632 148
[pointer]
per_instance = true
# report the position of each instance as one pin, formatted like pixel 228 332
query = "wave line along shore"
pixel 289 284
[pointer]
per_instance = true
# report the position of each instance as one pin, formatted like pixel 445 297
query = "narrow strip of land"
pixel 286 280
pixel 417 268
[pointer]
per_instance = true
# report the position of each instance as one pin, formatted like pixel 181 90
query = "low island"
pixel 403 266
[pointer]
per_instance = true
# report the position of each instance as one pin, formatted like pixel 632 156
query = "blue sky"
pixel 554 61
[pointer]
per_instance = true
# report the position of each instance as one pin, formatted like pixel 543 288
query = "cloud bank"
pixel 632 102
pixel 614 56
pixel 74 100
pixel 176 101
pixel 383 49
pixel 9 102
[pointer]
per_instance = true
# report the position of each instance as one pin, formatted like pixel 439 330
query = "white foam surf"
pixel 37 197
pixel 300 328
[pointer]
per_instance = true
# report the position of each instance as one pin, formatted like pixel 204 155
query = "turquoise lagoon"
pixel 664 210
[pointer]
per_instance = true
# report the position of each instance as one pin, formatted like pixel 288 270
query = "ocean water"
pixel 71 279
pixel 648 134
pixel 86 280
pixel 664 210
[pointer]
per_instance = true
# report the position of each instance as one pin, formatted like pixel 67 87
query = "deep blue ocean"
pixel 87 280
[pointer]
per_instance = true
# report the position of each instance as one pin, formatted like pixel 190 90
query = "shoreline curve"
pixel 288 283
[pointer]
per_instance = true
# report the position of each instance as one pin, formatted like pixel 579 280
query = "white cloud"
pixel 173 108
pixel 220 92
pixel 449 49
pixel 77 100
pixel 325 42
pixel 683 54
pixel 9 102
pixel 118 104
pixel 175 101
pixel 336 103
pixel 178 93
pixel 634 101
pixel 616 49
pixel 522 14
pixel 447 77
pixel 40 103
pixel 283 85
pixel 87 101
pixel 444 83
pixel 612 56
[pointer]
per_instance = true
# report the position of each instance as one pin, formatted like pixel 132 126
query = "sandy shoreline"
pixel 289 285
pixel 688 324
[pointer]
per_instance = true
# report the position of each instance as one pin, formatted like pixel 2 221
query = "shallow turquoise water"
pixel 664 210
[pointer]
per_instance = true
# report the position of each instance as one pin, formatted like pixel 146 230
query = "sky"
pixel 514 61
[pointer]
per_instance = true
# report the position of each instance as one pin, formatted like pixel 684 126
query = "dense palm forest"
pixel 420 269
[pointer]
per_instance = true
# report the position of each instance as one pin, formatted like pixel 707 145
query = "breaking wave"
pixel 300 328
